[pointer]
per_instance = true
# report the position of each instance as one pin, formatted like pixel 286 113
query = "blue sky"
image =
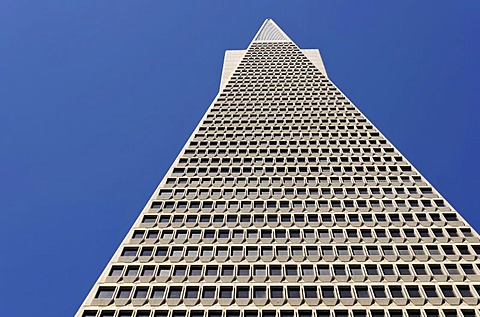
pixel 98 97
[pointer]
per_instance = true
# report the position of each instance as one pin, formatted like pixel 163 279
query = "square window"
pixel 259 292
pixel 225 292
pixel 243 292
pixel 311 292
pixel 276 292
pixel 208 292
pixel 124 292
pixel 191 292
pixel 105 292
pixel 175 292
pixel 293 292
pixel 158 292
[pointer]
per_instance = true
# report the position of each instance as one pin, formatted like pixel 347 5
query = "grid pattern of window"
pixel 287 202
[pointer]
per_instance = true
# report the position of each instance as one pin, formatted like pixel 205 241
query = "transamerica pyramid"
pixel 287 202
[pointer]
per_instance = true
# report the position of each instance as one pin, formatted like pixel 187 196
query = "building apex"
pixel 270 31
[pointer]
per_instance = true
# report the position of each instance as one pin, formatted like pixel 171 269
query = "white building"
pixel 287 202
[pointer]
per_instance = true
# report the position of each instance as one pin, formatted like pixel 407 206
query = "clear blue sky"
pixel 98 97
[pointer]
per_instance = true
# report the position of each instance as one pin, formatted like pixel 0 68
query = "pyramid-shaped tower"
pixel 287 202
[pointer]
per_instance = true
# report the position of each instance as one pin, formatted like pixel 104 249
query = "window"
pixel 260 271
pixel 413 291
pixel 179 271
pixel 259 292
pixel 356 270
pixel 211 271
pixel 293 292
pixel 275 270
pixel 129 252
pixel 164 271
pixel 388 270
pixel 161 252
pixel 396 291
pixel 362 292
pixel 359 313
pixel 243 270
pixel 158 292
pixel 243 292
pixel 191 292
pixel 141 292
pixel 464 291
pixel 307 270
pixel 328 292
pixel 225 292
pixel 132 271
pixel 195 271
pixel 124 292
pixel 138 235
pixel 105 292
pixel 276 292
pixel 404 270
pixel 379 292
pixel 452 269
pixel 345 292
pixel 420 269
pixel 310 292
pixel 430 291
pixel 208 292
pixel 339 270
pixel 175 292
pixel 291 270
pixel 227 270
pixel 447 291
pixel 116 271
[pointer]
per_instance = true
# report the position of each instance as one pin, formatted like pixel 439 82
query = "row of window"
pixel 298 192
pixel 282 96
pixel 336 108
pixel 297 205
pixel 364 145
pixel 329 106
pixel 281 137
pixel 313 124
pixel 280 92
pixel 298 181
pixel 280 115
pixel 274 69
pixel 220 133
pixel 335 103
pixel 287 152
pixel 301 219
pixel 297 295
pixel 285 312
pixel 292 272
pixel 279 161
pixel 280 73
pixel 278 96
pixel 285 253
pixel 253 235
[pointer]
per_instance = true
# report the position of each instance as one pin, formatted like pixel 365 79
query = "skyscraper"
pixel 287 202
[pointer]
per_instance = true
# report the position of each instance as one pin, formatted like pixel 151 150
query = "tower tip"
pixel 270 31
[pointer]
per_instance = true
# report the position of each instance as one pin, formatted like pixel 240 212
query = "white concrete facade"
pixel 286 201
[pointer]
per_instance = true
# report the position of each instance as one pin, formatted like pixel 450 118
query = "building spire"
pixel 270 31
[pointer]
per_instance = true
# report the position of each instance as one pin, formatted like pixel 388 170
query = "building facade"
pixel 287 202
